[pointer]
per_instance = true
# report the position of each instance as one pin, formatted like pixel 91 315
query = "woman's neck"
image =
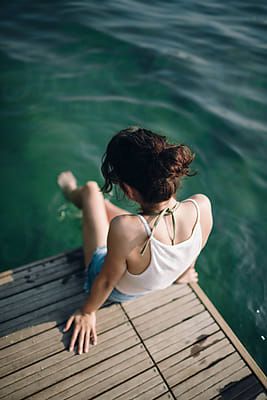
pixel 157 207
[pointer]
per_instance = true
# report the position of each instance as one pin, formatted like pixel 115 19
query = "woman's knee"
pixel 90 187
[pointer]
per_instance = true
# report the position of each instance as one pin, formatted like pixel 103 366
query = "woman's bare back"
pixel 185 216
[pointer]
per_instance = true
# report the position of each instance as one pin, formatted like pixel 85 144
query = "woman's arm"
pixel 112 271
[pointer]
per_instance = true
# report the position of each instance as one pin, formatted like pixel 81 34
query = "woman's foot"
pixel 188 276
pixel 67 182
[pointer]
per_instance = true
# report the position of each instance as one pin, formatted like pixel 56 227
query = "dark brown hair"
pixel 147 162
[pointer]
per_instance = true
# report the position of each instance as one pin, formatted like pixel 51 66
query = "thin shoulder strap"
pixel 147 227
pixel 197 207
pixel 160 215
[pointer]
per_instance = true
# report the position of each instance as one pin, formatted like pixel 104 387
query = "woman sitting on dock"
pixel 129 255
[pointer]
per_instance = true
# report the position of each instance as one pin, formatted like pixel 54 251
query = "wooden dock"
pixel 172 344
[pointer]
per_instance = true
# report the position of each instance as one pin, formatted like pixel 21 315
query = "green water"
pixel 74 73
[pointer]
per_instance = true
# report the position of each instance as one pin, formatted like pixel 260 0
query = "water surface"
pixel 74 72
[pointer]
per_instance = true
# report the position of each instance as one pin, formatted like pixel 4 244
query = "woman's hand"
pixel 84 328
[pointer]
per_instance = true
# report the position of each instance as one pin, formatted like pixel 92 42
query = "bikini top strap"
pixel 166 210
pixel 197 207
pixel 146 225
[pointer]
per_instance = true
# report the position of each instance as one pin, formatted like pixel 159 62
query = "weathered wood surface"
pixel 168 345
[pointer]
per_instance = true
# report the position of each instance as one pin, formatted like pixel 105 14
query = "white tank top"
pixel 168 262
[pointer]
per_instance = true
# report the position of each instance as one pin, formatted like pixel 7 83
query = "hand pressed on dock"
pixel 84 330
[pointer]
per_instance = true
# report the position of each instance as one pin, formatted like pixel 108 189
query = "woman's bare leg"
pixel 68 184
pixel 95 221
pixel 97 212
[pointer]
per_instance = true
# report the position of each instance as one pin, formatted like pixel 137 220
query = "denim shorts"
pixel 93 270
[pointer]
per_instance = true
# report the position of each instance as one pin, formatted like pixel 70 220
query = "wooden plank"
pixel 188 358
pixel 35 368
pixel 191 366
pixel 183 343
pixel 36 298
pixel 148 390
pixel 244 387
pixel 254 394
pixel 155 300
pixel 44 319
pixel 202 381
pixel 68 255
pixel 26 291
pixel 48 288
pixel 37 316
pixel 230 334
pixel 166 396
pixel 179 331
pixel 59 367
pixel 53 262
pixel 4 274
pixel 41 265
pixel 36 348
pixel 93 386
pixel 77 382
pixel 167 320
pixel 169 308
pixel 11 356
pixel 12 279
pixel 153 392
pixel 32 279
pixel 261 396
pixel 98 378
pixel 6 277
pixel 207 376
pixel 195 349
pixel 232 379
pixel 131 384
pixel 191 352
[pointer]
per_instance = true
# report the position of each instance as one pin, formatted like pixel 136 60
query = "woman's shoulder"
pixel 124 222
pixel 203 202
pixel 204 206
pixel 206 217
pixel 126 229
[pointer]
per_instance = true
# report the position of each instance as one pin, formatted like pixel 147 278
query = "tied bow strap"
pixel 165 211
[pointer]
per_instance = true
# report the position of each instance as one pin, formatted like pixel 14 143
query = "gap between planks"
pixel 242 351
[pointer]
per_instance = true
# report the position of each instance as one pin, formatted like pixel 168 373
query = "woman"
pixel 130 255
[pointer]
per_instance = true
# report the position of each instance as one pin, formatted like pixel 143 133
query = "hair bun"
pixel 176 160
pixel 147 162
